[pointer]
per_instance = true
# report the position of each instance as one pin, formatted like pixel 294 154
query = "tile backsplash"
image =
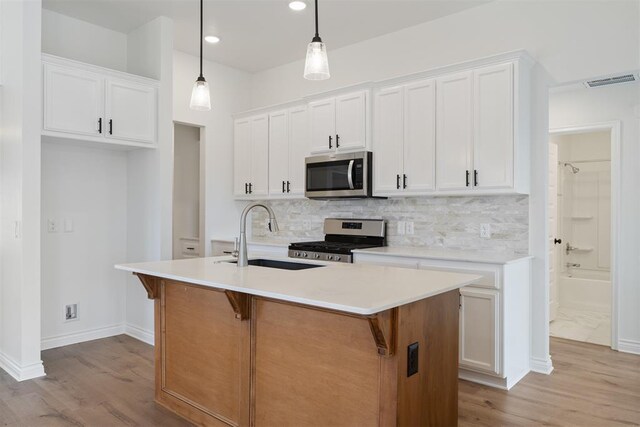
pixel 439 222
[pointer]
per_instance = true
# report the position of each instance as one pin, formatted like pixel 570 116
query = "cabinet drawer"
pixel 190 248
pixel 490 278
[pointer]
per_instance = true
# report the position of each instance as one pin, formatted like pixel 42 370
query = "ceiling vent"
pixel 626 78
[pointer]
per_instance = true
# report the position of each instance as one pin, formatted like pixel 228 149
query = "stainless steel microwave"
pixel 337 176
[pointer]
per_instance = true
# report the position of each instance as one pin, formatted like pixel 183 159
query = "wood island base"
pixel 224 358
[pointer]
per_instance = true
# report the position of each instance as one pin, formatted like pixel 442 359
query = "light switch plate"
pixel 68 225
pixel 401 226
pixel 485 231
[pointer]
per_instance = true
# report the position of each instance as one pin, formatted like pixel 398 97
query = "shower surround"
pixel 439 222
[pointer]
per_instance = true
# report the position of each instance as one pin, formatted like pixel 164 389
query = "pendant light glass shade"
pixel 200 98
pixel 316 67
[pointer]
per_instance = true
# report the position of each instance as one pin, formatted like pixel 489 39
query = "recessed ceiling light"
pixel 212 39
pixel 297 5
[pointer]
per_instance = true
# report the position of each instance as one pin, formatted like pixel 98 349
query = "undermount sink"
pixel 282 265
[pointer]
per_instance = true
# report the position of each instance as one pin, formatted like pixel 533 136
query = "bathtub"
pixel 585 290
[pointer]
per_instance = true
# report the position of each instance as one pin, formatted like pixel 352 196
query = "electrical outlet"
pixel 412 359
pixel 71 312
pixel 401 225
pixel 52 225
pixel 485 231
pixel 408 227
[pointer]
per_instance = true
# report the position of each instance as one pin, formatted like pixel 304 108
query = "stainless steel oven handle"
pixel 350 174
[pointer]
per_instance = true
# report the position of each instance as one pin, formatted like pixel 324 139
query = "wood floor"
pixel 109 382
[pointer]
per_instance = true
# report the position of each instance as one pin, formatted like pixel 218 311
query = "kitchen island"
pixel 336 344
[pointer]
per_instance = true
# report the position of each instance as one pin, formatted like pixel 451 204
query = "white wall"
pixel 88 186
pixel 571 40
pixel 20 189
pixel 230 93
pixel 74 39
pixel 615 103
pixel 186 185
pixel 149 195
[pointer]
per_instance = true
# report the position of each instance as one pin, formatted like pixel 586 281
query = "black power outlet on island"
pixel 412 359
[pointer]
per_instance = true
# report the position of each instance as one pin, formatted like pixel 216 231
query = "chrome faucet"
pixel 273 227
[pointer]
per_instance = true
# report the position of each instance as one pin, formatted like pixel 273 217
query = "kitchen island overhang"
pixel 335 345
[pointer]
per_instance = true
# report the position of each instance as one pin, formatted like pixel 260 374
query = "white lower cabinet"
pixel 494 315
pixel 479 329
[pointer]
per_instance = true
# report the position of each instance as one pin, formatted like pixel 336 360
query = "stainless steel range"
pixel 341 237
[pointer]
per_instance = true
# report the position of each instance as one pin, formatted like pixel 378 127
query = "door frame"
pixel 614 128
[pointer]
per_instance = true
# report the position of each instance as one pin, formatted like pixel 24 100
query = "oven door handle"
pixel 350 174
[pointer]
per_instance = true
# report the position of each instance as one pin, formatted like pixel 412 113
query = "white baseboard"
pixel 82 336
pixel 20 372
pixel 629 346
pixel 491 380
pixel 139 333
pixel 541 366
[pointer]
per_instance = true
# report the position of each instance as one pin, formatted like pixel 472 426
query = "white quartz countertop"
pixel 352 288
pixel 443 254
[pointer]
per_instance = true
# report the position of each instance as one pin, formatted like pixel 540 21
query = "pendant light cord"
pixel 201 33
pixel 317 34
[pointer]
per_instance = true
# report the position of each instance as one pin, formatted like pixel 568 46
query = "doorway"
pixel 582 233
pixel 186 191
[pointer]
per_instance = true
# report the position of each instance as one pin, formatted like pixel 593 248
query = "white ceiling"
pixel 260 34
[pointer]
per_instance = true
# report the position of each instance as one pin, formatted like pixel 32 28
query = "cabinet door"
pixel 479 330
pixel 454 132
pixel 278 153
pixel 420 136
pixel 351 121
pixel 493 126
pixel 259 156
pixel 131 110
pixel 388 141
pixel 298 149
pixel 322 118
pixel 73 101
pixel 241 157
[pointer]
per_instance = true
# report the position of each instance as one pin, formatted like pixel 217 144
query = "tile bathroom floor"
pixel 582 325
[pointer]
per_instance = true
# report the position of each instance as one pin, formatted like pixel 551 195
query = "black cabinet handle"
pixel 110 126
pixel 330 139
pixel 100 125
pixel 404 180
pixel 337 141
pixel 246 188
pixel 398 182
pixel 250 189
pixel 475 178
pixel 283 186
pixel 557 241
pixel 467 178
pixel 288 187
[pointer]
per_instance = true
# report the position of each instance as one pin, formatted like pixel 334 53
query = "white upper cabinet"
pixel 130 111
pixel 404 139
pixel 339 123
pixel 73 101
pixel 288 147
pixel 493 127
pixel 241 157
pixel 259 184
pixel 388 142
pixel 298 149
pixel 94 104
pixel 454 131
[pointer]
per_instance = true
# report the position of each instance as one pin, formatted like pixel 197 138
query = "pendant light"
pixel 200 98
pixel 316 67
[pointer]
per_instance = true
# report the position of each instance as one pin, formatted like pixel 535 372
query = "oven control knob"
pixel 304 254
pixel 337 258
pixel 329 257
pixel 296 254
pixel 316 256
